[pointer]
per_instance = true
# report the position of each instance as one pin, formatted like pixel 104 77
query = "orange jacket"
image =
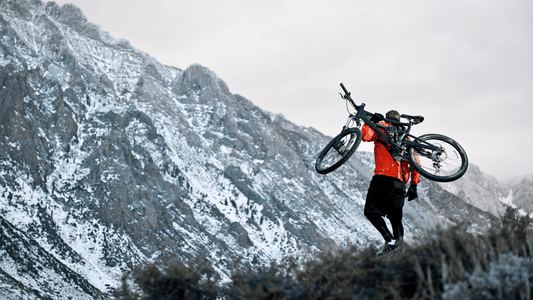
pixel 385 164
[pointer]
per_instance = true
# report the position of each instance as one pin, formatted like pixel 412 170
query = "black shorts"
pixel 386 196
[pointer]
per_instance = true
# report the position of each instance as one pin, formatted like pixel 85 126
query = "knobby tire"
pixel 338 150
pixel 445 166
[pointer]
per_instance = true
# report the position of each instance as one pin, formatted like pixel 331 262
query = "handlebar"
pixel 413 119
pixel 347 96
pixel 345 90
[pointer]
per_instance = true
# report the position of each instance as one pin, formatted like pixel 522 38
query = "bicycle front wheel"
pixel 338 150
pixel 448 163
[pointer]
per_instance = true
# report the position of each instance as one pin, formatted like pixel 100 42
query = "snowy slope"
pixel 520 193
pixel 479 189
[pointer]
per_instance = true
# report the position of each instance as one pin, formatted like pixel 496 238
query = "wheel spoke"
pixel 338 151
pixel 444 164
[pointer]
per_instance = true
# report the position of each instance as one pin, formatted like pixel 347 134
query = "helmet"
pixel 393 115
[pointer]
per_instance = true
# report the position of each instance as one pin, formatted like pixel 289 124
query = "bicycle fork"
pixel 338 142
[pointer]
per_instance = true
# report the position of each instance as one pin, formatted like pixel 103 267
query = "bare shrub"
pixel 447 264
pixel 197 280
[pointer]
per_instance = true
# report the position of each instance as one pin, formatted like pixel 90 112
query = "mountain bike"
pixel 434 156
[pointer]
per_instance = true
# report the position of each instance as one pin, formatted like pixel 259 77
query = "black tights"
pixel 386 197
pixel 378 222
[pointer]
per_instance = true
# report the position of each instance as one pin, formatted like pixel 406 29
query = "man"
pixel 386 194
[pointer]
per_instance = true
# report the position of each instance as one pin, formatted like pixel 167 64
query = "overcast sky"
pixel 466 66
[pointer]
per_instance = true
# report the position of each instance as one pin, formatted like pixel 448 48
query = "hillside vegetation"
pixel 446 264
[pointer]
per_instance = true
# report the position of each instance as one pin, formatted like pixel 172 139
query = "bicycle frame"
pixel 403 144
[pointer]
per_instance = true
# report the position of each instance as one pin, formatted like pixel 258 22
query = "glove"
pixel 377 117
pixel 411 193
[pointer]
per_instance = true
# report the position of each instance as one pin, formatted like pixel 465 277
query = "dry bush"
pixel 350 274
pixel 446 264
pixel 197 280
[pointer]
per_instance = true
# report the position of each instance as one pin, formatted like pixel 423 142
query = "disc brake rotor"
pixel 437 158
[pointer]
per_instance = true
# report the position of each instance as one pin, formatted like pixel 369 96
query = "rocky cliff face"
pixel 109 159
pixel 490 195
pixel 481 190
pixel 520 193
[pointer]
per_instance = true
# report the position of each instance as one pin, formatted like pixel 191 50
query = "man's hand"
pixel 411 193
pixel 377 117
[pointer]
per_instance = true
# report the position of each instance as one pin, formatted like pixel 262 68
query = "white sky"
pixel 466 66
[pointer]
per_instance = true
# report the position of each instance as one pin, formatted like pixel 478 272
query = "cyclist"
pixel 386 194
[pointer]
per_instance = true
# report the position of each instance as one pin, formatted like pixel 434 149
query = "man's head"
pixel 393 115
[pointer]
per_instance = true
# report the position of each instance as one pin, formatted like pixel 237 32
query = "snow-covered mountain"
pixel 488 194
pixel 520 193
pixel 109 159
pixel 479 189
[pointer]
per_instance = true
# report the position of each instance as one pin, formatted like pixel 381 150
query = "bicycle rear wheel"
pixel 449 163
pixel 338 150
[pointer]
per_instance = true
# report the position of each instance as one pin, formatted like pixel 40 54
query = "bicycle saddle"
pixel 416 119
